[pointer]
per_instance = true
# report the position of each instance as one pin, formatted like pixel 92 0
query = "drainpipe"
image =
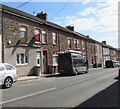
pixel 1 37
pixel 59 40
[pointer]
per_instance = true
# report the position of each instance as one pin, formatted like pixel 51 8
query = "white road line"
pixel 41 92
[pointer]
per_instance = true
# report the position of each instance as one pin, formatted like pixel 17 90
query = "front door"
pixel 38 58
pixel 44 61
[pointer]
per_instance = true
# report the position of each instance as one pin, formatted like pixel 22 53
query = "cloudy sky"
pixel 98 19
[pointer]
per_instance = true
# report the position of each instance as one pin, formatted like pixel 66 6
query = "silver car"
pixel 8 75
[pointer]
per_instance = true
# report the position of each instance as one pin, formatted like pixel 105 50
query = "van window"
pixel 79 62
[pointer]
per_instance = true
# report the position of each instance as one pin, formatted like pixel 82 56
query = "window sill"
pixel 22 65
pixel 45 43
pixel 37 42
pixel 55 44
pixel 54 65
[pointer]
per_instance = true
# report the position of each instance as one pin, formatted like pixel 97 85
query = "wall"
pixel 10 57
pixel 99 54
pixel 11 32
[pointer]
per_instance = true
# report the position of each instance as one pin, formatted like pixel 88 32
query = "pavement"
pixel 25 78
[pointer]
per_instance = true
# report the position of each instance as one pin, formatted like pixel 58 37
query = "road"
pixel 98 88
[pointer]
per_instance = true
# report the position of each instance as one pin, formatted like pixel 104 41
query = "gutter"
pixel 21 16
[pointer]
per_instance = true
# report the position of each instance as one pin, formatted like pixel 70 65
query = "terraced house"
pixel 27 41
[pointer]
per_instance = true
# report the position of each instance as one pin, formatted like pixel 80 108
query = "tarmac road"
pixel 98 88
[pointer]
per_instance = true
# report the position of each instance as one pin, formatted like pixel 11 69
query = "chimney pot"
pixel 70 27
pixel 42 15
pixel 104 42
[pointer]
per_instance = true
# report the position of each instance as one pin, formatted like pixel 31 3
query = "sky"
pixel 98 19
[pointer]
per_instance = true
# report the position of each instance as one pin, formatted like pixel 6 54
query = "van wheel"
pixel 86 71
pixel 8 82
pixel 76 72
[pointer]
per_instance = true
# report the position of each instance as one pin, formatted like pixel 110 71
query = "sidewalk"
pixel 25 78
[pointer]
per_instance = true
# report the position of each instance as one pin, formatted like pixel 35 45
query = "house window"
pixel 78 44
pixel 22 59
pixel 90 48
pixel 75 44
pixel 23 32
pixel 95 48
pixel 55 58
pixel 55 39
pixel 99 49
pixel 83 45
pixel 69 43
pixel 44 37
pixel 37 35
pixel 92 60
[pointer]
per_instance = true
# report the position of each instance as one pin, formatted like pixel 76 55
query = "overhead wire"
pixel 23 4
pixel 60 10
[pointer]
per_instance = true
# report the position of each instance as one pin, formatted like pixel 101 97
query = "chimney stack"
pixel 42 15
pixel 104 42
pixel 70 27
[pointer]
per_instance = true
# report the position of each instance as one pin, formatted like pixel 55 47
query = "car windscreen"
pixel 1 68
pixel 9 67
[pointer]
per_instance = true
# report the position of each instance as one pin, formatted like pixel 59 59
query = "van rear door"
pixel 65 63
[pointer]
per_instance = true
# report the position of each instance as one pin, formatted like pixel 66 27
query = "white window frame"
pixel 44 35
pixel 83 45
pixel 37 33
pixel 23 29
pixel 55 55
pixel 20 58
pixel 75 44
pixel 55 38
pixel 69 43
pixel 78 44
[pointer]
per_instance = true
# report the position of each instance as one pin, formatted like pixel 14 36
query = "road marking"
pixel 33 94
pixel 23 81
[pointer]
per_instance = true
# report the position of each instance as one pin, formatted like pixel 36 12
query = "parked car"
pixel 117 63
pixel 111 63
pixel 8 75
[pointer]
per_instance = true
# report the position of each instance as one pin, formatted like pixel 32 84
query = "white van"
pixel 71 64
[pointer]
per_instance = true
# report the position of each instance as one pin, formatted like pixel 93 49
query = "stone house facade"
pixel 110 53
pixel 28 41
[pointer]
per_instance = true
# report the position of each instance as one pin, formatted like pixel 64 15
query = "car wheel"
pixel 8 82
